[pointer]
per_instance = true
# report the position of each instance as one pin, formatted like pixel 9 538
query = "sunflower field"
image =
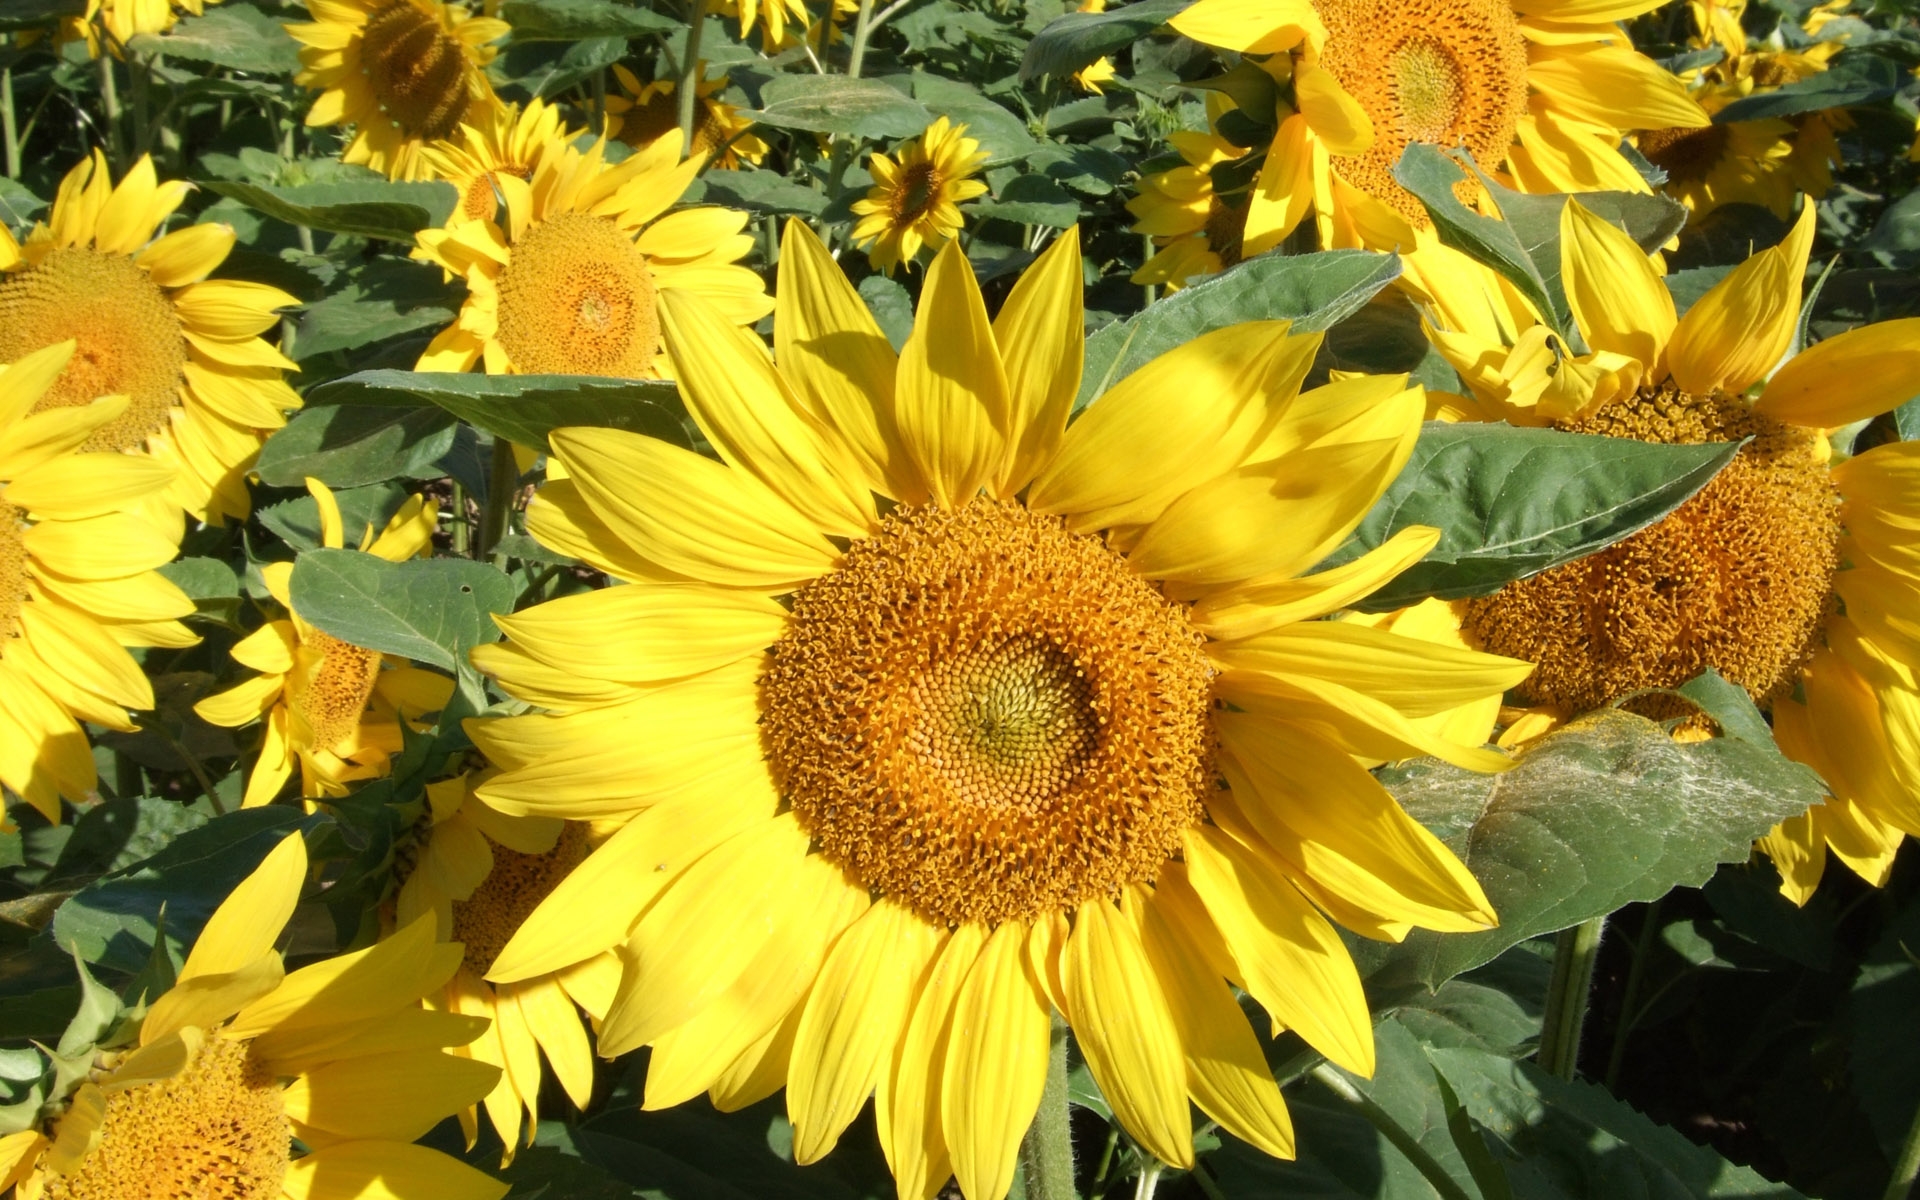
pixel 962 599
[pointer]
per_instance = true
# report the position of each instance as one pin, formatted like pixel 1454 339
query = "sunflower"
pixel 1194 230
pixel 1541 90
pixel 915 202
pixel 480 872
pixel 402 72
pixel 111 24
pixel 1090 77
pixel 508 141
pixel 567 281
pixel 647 111
pixel 238 1059
pixel 781 22
pixel 333 708
pixel 81 531
pixel 203 390
pixel 900 761
pixel 1794 573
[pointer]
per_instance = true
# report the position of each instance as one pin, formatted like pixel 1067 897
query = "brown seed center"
pixel 417 69
pixel 485 921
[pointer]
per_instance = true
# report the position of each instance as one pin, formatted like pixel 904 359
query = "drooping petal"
pixel 1617 297
pixel 907 1101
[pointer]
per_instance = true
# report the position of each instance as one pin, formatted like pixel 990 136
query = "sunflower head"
pixel 915 200
pixel 507 141
pixel 645 112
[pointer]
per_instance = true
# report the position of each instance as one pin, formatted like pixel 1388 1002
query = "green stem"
pixel 1636 974
pixel 600 103
pixel 862 30
pixel 1568 993
pixel 1149 289
pixel 503 481
pixel 110 108
pixel 457 527
pixel 1106 1160
pixel 7 126
pixel 1908 1167
pixel 138 84
pixel 1046 1152
pixel 690 76
pixel 1148 1182
pixel 1430 1169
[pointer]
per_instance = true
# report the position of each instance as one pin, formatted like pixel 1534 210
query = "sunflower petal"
pixel 1849 377
pixel 950 393
pixel 1738 331
pixel 996 1064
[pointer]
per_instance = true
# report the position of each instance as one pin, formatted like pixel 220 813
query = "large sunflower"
pixel 203 389
pixel 238 1059
pixel 1792 574
pixel 915 200
pixel 897 780
pixel 567 280
pixel 480 872
pixel 402 72
pixel 1541 90
pixel 331 708
pixel 80 534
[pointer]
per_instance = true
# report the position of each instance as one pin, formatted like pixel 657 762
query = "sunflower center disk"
pixel 216 1131
pixel 127 338
pixel 332 701
pixel 1738 578
pixel 987 717
pixel 13 571
pixel 578 299
pixel 1451 72
pixel 418 71
pixel 484 921
pixel 1686 155
pixel 914 196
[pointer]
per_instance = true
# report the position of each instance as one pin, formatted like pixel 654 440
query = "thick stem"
pixel 1636 974
pixel 7 125
pixel 1046 1152
pixel 600 102
pixel 1569 990
pixel 690 77
pixel 503 482
pixel 110 111
pixel 1908 1167
pixel 1144 1187
pixel 862 30
pixel 457 528
pixel 1429 1168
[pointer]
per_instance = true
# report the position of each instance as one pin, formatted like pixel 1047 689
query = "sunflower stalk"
pixel 1046 1152
pixel 8 126
pixel 862 30
pixel 110 115
pixel 503 481
pixel 1630 1006
pixel 690 76
pixel 1568 992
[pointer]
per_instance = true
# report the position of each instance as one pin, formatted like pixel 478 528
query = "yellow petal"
pixel 1615 87
pixel 381 1170
pixel 950 392
pixel 355 986
pixel 758 1073
pixel 907 1102
pixel 1339 121
pixel 1362 725
pixel 1260 605
pixel 248 922
pixel 691 514
pixel 996 1064
pixel 853 1021
pixel 1252 26
pixel 393 1097
pixel 1039 332
pixel 1617 297
pixel 1126 1031
pixel 1738 331
pixel 1848 377
pixel 754 421
pixel 109 547
pixel 76 486
pixel 208 999
pixel 269 648
pixel 187 255
pixel 242 704
pixel 404 1029
pixel 1290 958
pixel 645 633
pixel 1417 677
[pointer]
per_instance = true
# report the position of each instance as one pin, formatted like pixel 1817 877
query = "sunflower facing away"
pixel 402 72
pixel 331 708
pixel 567 279
pixel 203 389
pixel 1792 573
pixel 239 1058
pixel 1195 230
pixel 892 782
pixel 645 112
pixel 81 531
pixel 480 872
pixel 1541 90
pixel 915 202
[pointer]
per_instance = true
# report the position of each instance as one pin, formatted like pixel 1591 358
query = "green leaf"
pixel 1730 707
pixel 1854 77
pixel 98 1013
pixel 39 14
pixel 1605 812
pixel 386 298
pixel 297 521
pixel 1314 291
pixel 760 192
pixel 692 1152
pixel 1078 39
pixel 110 922
pixel 865 108
pixel 1883 1054
pixel 572 20
pixel 1000 133
pixel 1512 502
pixel 351 446
pixel 370 208
pixel 892 308
pixel 522 408
pixel 237 36
pixel 431 610
pixel 1030 200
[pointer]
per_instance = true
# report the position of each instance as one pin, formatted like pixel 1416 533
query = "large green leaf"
pixel 432 610
pixel 1883 1054
pixel 692 1152
pixel 1855 77
pixel 349 446
pixel 372 208
pixel 1000 133
pixel 384 299
pixel 111 921
pixel 1512 502
pixel 522 408
pixel 1605 812
pixel 572 20
pixel 238 37
pixel 865 108
pixel 1078 39
pixel 759 192
pixel 1314 291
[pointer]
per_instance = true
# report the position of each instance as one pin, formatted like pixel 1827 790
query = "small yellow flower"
pixel 111 24
pixel 645 112
pixel 915 202
pixel 507 141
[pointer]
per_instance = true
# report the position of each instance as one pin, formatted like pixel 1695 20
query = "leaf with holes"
pixel 431 610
